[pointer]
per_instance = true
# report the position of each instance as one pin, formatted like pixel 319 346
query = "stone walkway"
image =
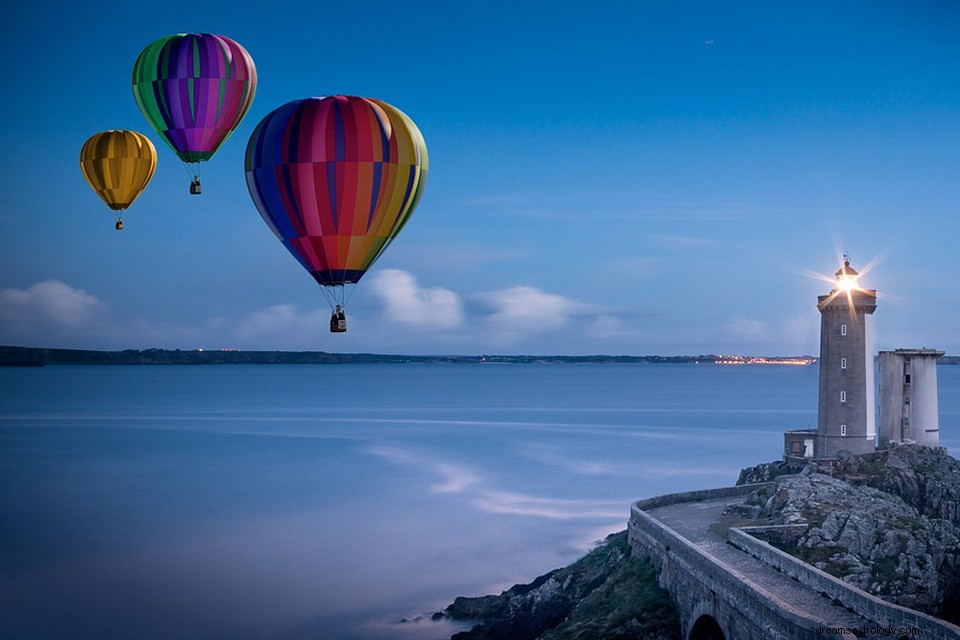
pixel 703 524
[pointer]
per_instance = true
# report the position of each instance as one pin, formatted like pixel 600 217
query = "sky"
pixel 613 177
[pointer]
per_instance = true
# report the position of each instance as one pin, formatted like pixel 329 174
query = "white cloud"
pixel 409 303
pixel 47 311
pixel 528 308
pixel 280 321
pixel 404 316
pixel 607 326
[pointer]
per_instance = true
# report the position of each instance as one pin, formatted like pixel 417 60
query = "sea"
pixel 348 502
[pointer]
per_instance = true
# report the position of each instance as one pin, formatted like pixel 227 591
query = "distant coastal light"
pixel 734 360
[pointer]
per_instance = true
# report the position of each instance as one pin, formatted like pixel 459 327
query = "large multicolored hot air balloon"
pixel 118 165
pixel 335 179
pixel 194 89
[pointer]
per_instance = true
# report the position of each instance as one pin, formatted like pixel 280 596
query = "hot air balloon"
pixel 336 179
pixel 194 89
pixel 118 165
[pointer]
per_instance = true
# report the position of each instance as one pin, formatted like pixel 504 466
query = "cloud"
pixel 609 327
pixel 51 302
pixel 279 321
pixel 409 303
pixel 48 310
pixel 403 315
pixel 525 308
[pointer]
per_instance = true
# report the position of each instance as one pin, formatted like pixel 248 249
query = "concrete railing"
pixel 697 496
pixel 884 613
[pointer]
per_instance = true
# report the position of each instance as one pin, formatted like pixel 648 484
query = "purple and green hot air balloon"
pixel 194 89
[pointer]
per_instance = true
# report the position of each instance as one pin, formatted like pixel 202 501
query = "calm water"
pixel 296 502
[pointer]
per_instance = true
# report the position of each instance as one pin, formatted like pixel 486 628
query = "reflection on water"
pixel 335 501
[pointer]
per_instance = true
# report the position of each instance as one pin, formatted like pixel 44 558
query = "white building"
pixel 909 410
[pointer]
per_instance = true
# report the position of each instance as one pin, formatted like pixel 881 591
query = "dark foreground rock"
pixel 606 595
pixel 886 522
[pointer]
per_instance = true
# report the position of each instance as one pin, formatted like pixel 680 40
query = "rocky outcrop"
pixel 926 479
pixel 885 522
pixel 606 595
pixel 765 472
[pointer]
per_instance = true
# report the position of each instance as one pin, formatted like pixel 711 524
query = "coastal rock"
pixel 885 522
pixel 606 595
pixel 764 472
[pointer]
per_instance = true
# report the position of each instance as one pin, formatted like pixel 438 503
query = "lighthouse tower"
pixel 846 415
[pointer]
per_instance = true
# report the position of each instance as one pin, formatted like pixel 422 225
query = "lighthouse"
pixel 846 412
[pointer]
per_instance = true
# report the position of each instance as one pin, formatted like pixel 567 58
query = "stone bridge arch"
pixel 703 623
pixel 706 627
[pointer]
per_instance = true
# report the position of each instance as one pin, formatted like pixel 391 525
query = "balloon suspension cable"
pixel 336 295
pixel 348 295
pixel 337 298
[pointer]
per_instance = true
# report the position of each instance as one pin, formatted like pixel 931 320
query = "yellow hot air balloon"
pixel 118 164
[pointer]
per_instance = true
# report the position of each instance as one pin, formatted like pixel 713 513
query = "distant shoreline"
pixel 36 357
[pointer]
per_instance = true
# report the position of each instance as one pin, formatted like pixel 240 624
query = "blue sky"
pixel 643 177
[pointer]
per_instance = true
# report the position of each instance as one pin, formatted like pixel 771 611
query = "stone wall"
pixel 703 585
pixel 869 606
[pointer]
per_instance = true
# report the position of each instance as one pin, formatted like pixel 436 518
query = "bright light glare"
pixel 848 284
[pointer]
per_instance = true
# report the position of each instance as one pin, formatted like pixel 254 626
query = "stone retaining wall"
pixel 886 614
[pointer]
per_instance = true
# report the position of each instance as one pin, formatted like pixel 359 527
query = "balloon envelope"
pixel 335 179
pixel 194 89
pixel 118 165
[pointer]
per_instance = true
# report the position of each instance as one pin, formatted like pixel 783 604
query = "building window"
pixel 843 429
pixel 906 378
pixel 843 329
pixel 843 363
pixel 843 397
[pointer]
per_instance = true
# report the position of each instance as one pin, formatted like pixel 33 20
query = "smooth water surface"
pixel 332 502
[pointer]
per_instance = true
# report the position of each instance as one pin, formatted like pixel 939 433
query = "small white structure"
pixel 909 411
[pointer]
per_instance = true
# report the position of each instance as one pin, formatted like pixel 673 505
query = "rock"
pixel 885 522
pixel 575 603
